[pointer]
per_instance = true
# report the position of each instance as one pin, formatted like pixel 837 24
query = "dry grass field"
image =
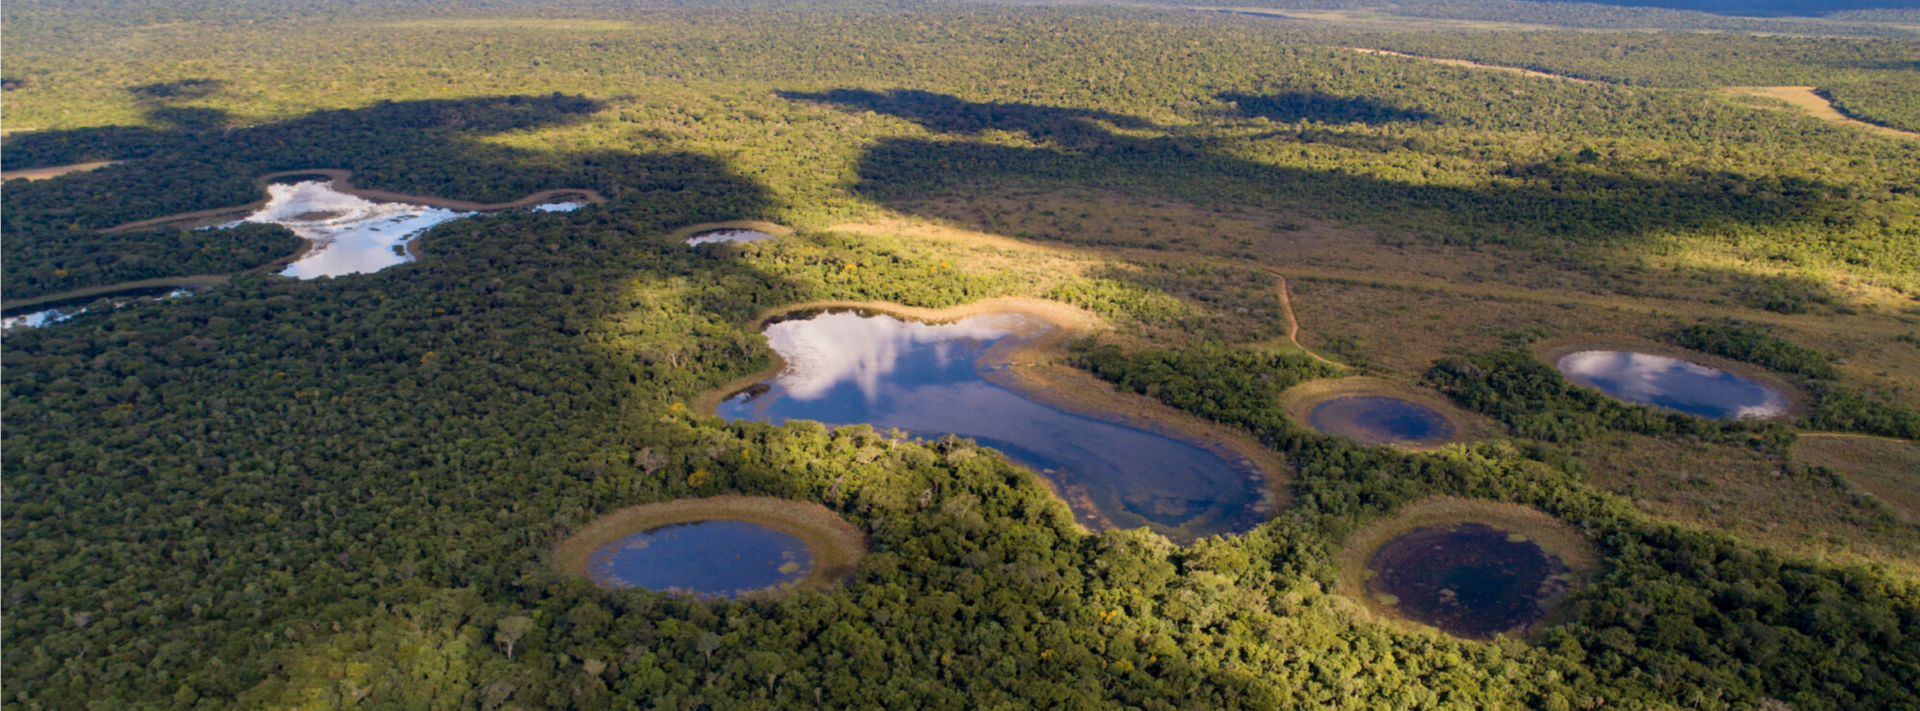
pixel 1886 468
pixel 1749 495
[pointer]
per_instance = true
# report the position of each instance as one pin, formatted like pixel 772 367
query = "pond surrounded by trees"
pixel 1380 420
pixel 728 235
pixel 706 559
pixel 350 234
pixel 1672 383
pixel 1468 579
pixel 936 379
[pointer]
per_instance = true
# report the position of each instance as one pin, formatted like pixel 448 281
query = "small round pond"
pixel 730 235
pixel 1378 420
pixel 1672 383
pixel 1467 579
pixel 705 559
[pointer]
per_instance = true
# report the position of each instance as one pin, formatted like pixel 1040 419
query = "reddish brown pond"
pixel 1468 579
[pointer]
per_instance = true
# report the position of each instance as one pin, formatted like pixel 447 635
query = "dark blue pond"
pixel 1469 579
pixel 709 559
pixel 1377 420
pixel 929 380
pixel 1672 383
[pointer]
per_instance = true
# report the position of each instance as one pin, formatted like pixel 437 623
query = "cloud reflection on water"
pixel 827 349
pixel 351 235
pixel 1672 383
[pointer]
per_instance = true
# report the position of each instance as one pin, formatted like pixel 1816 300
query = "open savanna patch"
pixel 1752 495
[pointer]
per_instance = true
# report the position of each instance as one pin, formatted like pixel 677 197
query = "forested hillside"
pixel 342 493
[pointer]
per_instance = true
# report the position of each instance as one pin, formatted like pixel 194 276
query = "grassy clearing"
pixel 1551 534
pixel 53 171
pixel 1300 400
pixel 836 545
pixel 1750 495
pixel 1886 468
pixel 1808 100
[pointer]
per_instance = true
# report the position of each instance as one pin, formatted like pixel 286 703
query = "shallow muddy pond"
pixel 350 235
pixel 1672 383
pixel 1378 420
pixel 706 559
pixel 728 236
pixel 1468 579
pixel 933 379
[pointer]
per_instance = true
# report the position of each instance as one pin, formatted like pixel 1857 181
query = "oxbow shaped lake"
pixel 931 380
pixel 1672 383
pixel 705 559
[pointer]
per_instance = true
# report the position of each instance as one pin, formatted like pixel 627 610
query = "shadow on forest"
pixel 432 147
pixel 1295 106
pixel 176 90
pixel 1582 197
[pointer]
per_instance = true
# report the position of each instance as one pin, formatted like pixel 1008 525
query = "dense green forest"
pixel 40 263
pixel 341 492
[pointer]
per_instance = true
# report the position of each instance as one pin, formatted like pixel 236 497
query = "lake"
pixel 1378 420
pixel 931 380
pixel 350 234
pixel 728 236
pixel 1672 383
pixel 704 559
pixel 1467 579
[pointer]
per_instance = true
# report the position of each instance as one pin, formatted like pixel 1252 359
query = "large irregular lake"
pixel 932 379
pixel 350 235
pixel 1468 579
pixel 1672 383
pixel 705 559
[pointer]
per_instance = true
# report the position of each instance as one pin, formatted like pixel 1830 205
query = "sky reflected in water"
pixel 351 235
pixel 1672 383
pixel 927 379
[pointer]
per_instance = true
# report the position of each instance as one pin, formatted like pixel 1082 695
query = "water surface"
pixel 1672 383
pixel 57 311
pixel 728 236
pixel 931 380
pixel 707 559
pixel 350 235
pixel 1376 420
pixel 1468 579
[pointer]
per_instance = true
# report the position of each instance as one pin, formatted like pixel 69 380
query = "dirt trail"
pixel 53 171
pixel 1474 65
pixel 343 182
pixel 1293 323
pixel 1808 100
